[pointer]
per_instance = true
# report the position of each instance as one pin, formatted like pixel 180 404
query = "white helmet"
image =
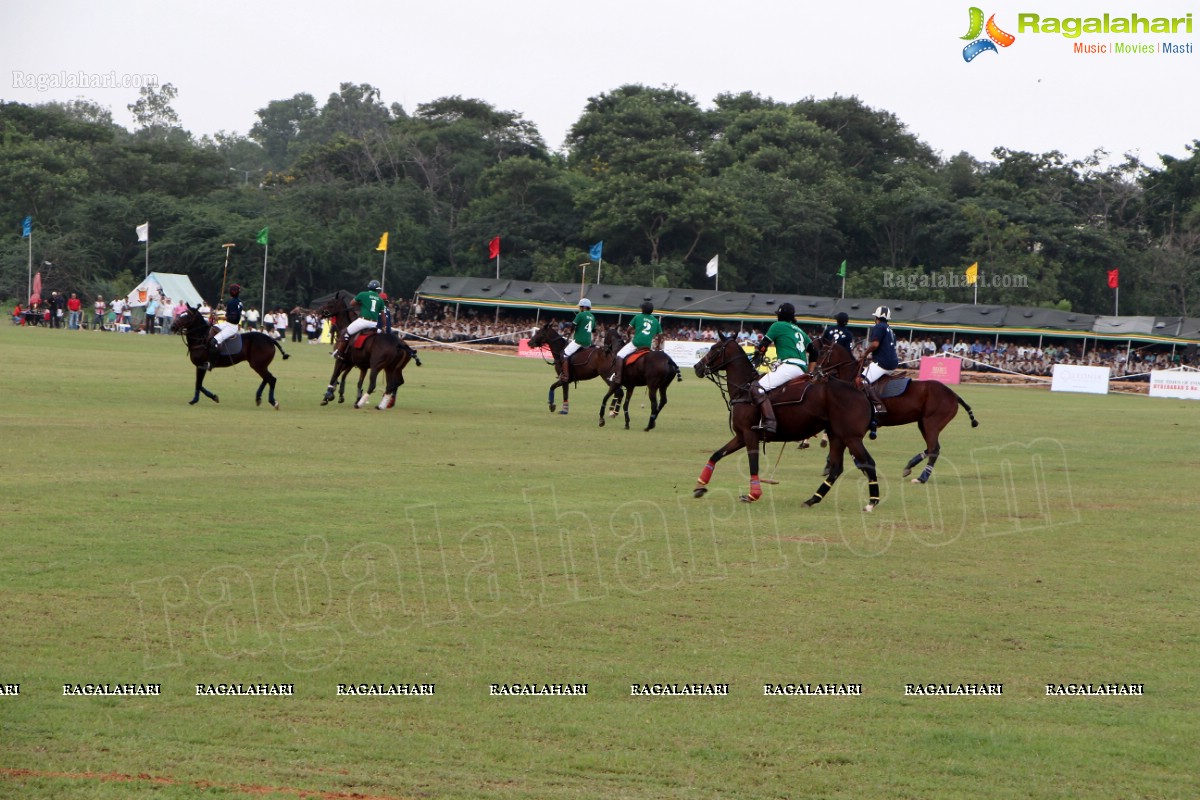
pixel 883 312
pixel 585 303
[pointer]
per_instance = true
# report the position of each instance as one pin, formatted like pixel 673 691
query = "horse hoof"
pixel 552 407
pixel 193 402
pixel 258 401
pixel 275 406
pixel 699 492
pixel 748 499
pixel 216 399
pixel 873 435
pixel 807 504
pixel 602 422
pixel 906 473
pixel 341 399
pixel 804 445
pixel 824 443
pixel 564 411
pixel 868 508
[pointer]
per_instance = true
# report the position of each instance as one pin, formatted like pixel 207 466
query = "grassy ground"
pixel 468 537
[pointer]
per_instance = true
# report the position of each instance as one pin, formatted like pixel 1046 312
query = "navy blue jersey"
pixel 233 311
pixel 840 335
pixel 885 354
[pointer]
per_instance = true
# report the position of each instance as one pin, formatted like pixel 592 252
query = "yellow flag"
pixel 972 274
pixel 382 246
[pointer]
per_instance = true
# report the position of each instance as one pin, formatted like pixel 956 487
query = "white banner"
pixel 1175 383
pixel 686 354
pixel 1072 378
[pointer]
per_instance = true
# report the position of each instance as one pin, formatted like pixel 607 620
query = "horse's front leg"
pixel 604 402
pixel 200 389
pixel 625 407
pixel 566 397
pixel 338 369
pixel 656 406
pixel 365 398
pixel 732 446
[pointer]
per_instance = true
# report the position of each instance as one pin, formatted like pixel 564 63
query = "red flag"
pixel 1113 278
pixel 494 248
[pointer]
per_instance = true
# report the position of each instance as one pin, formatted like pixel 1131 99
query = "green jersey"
pixel 791 343
pixel 645 328
pixel 370 305
pixel 585 323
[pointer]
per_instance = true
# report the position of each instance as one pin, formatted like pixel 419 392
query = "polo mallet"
pixel 224 274
pixel 771 478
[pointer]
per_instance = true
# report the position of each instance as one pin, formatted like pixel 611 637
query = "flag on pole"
pixel 143 232
pixel 711 269
pixel 841 273
pixel 973 274
pixel 494 247
pixel 382 246
pixel 262 236
pixel 27 227
pixel 596 251
pixel 1114 278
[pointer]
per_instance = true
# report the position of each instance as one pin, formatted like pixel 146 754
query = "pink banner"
pixel 945 370
pixel 525 351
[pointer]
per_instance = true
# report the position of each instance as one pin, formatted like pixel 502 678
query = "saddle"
pixel 635 355
pixel 891 386
pixel 792 392
pixel 361 337
pixel 231 346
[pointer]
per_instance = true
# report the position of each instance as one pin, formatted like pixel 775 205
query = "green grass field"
pixel 468 537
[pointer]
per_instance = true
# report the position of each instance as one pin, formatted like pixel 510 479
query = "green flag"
pixel 262 236
pixel 842 270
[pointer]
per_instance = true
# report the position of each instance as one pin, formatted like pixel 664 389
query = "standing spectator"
pixel 180 307
pixel 56 310
pixel 166 315
pixel 252 319
pixel 75 312
pixel 297 317
pixel 151 313
pixel 311 327
pixel 117 306
pixel 98 309
pixel 281 324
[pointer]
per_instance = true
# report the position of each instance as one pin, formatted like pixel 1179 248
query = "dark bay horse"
pixel 930 404
pixel 586 363
pixel 258 350
pixel 803 409
pixel 378 352
pixel 653 369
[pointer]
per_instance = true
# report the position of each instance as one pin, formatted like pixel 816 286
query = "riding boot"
pixel 564 371
pixel 343 343
pixel 617 370
pixel 767 424
pixel 873 395
pixel 214 349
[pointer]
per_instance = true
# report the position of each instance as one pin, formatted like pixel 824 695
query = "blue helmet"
pixel 373 286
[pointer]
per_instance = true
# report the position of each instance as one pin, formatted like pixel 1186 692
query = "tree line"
pixel 783 192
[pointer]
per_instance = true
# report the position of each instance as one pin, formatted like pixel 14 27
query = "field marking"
pixel 242 788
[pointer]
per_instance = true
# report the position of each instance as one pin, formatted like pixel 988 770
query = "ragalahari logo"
pixel 995 36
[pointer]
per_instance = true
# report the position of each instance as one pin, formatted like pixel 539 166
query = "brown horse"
pixel 653 369
pixel 586 363
pixel 377 352
pixel 930 404
pixel 258 350
pixel 803 408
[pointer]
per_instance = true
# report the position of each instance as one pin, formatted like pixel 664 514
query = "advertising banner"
pixel 1072 378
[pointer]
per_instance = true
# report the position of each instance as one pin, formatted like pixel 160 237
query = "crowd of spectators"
pixel 432 321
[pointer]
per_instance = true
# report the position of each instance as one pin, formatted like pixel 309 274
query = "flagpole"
pixel 147 275
pixel 599 264
pixel 582 278
pixel 497 266
pixel 29 288
pixel 843 287
pixel 383 277
pixel 266 249
pixel 224 275
pixel 1117 300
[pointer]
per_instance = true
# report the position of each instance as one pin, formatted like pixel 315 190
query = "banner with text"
pixel 1072 378
pixel 938 368
pixel 1175 383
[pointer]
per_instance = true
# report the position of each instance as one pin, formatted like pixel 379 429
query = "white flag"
pixel 143 232
pixel 711 270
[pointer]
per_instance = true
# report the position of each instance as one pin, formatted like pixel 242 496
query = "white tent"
pixel 168 285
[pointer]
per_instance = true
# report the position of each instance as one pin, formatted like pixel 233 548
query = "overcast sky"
pixel 545 58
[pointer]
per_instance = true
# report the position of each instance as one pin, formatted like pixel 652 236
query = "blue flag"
pixel 596 250
pixel 27 228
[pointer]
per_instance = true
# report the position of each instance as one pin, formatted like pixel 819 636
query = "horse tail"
pixel 281 350
pixel 678 372
pixel 963 403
